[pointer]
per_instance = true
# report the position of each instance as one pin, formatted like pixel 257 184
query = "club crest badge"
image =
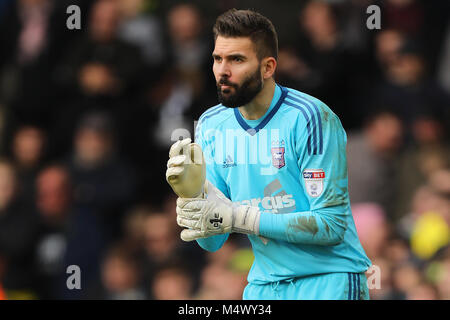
pixel 314 181
pixel 278 157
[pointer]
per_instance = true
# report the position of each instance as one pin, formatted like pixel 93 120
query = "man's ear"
pixel 269 66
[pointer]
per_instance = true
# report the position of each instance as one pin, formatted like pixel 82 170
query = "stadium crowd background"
pixel 87 115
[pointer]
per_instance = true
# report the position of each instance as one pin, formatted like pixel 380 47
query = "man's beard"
pixel 243 93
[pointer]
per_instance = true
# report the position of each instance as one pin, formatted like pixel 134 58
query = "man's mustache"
pixel 225 82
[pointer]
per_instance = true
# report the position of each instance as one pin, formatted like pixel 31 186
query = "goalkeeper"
pixel 269 162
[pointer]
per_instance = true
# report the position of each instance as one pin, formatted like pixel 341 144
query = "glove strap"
pixel 246 219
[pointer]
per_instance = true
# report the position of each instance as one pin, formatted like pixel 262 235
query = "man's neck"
pixel 256 108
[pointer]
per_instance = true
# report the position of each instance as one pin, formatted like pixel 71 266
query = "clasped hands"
pixel 202 208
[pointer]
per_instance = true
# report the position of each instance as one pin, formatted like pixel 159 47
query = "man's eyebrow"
pixel 230 56
pixel 236 55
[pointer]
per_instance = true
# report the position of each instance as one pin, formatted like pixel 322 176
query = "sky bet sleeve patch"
pixel 313 181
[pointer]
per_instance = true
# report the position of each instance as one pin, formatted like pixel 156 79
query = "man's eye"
pixel 238 59
pixel 218 59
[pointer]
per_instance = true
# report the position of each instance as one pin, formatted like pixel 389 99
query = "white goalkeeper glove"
pixel 215 215
pixel 202 207
pixel 186 169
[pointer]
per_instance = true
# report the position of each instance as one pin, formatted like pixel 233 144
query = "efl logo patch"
pixel 314 181
pixel 278 157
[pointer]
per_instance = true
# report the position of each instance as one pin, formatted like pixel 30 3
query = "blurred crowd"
pixel 87 118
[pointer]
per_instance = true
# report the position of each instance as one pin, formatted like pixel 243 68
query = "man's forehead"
pixel 232 45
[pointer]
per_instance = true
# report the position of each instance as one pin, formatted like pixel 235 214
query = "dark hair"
pixel 248 23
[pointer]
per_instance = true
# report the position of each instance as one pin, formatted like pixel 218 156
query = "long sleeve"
pixel 318 227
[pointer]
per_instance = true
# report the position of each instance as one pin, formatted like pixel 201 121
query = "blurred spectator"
pixel 103 187
pixel 134 228
pixel 406 87
pixel 409 280
pixel 185 90
pixel 120 277
pixel 101 180
pixel 428 154
pixel 408 67
pixel 172 282
pixel 440 181
pixel 160 244
pixel 388 43
pixel 18 232
pixel 225 279
pixel 28 153
pixel 100 71
pixel 160 238
pixel 352 15
pixel 406 277
pixel 427 198
pixel 28 146
pixel 142 29
pixel 214 280
pixel 429 221
pixel 397 251
pixel 371 156
pixel 372 227
pixel 28 36
pixel 163 246
pixel 404 15
pixel 104 65
pixel 413 266
pixel 423 291
pixel 318 61
pixel 386 289
pixel 189 48
pixel 223 257
pixel 174 100
pixel 53 203
pixel 32 31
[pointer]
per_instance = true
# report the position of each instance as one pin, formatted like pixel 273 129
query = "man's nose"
pixel 224 69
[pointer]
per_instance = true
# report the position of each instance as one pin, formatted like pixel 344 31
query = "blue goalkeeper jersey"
pixel 292 164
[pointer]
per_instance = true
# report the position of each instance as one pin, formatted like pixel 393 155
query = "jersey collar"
pixel 266 118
